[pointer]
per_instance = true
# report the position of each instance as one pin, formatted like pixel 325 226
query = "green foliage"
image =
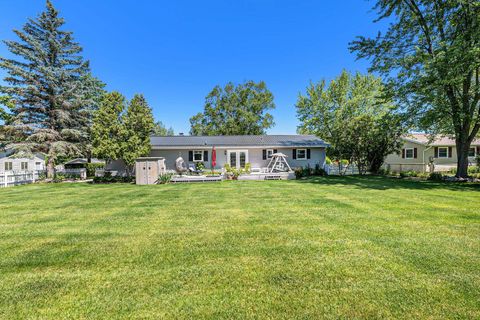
pixel 165 178
pixel 159 129
pixel 91 167
pixel 477 161
pixel 199 166
pixel 137 125
pixel 354 117
pixel 107 129
pixel 227 167
pixel 435 176
pixel 46 82
pixel 235 110
pixel 115 179
pixel 328 161
pixel 429 57
pixel 307 171
pixel 409 173
pixel 248 167
pixel 121 132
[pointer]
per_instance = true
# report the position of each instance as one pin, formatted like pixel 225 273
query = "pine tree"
pixel 138 125
pixel 46 85
pixel 107 128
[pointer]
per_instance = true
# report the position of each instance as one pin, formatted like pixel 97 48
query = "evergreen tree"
pixel 107 128
pixel 46 86
pixel 137 127
pixel 159 129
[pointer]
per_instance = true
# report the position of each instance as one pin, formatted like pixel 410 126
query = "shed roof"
pixel 239 141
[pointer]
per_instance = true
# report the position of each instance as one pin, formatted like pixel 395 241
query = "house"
pixel 301 150
pixel 10 163
pixel 418 150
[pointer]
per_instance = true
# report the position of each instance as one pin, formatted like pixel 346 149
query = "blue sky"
pixel 175 52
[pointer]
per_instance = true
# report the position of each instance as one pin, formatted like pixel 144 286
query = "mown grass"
pixel 337 247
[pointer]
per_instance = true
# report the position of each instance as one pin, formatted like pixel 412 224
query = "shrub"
pixel 298 172
pixel 477 160
pixel 423 175
pixel 409 173
pixel 91 167
pixel 328 161
pixel 109 179
pixel 435 176
pixel 473 170
pixel 199 166
pixel 227 167
pixel 384 172
pixel 165 178
pixel 248 167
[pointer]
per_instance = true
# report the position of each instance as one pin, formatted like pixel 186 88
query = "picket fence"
pixel 10 178
pixel 334 169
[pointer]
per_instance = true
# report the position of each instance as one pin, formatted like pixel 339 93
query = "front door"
pixel 237 158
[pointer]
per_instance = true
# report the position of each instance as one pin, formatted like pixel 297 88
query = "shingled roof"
pixel 239 141
pixel 425 139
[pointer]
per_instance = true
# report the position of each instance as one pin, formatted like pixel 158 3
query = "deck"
pixel 183 179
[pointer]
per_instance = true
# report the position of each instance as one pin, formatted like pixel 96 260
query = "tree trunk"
pixel 50 168
pixel 462 158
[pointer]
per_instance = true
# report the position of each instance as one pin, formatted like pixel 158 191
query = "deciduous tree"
pixel 235 110
pixel 430 59
pixel 352 116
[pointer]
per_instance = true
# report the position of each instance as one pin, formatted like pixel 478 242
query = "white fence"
pixel 334 169
pixel 80 172
pixel 10 178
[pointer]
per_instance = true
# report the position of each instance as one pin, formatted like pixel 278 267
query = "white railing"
pixel 10 178
pixel 81 172
pixel 334 169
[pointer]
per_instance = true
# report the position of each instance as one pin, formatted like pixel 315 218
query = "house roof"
pixel 425 139
pixel 83 161
pixel 239 141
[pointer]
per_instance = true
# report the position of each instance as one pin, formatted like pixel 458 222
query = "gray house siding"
pixel 36 163
pixel 255 157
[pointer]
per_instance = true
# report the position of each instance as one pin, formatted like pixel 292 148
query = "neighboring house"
pixel 418 151
pixel 11 163
pixel 81 163
pixel 301 150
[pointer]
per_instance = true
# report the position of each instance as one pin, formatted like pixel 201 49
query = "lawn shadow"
pixel 385 183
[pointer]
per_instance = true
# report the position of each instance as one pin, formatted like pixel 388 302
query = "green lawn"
pixel 337 247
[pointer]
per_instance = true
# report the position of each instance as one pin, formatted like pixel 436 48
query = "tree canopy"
pixel 159 129
pixel 46 86
pixel 430 59
pixel 235 110
pixel 351 114
pixel 122 132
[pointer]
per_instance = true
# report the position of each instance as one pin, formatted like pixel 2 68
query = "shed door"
pixel 152 172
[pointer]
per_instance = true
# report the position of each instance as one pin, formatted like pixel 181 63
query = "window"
pixel 471 152
pixel 24 165
pixel 443 152
pixel 38 165
pixel 301 154
pixel 8 166
pixel 269 153
pixel 409 153
pixel 198 155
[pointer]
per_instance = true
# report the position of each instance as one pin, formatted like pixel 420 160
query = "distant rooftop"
pixel 239 141
pixel 439 140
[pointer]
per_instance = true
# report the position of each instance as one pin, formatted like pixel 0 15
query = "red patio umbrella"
pixel 214 157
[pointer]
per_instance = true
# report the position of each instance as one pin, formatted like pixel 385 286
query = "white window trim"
pixel 474 152
pixel 304 158
pixel 269 150
pixel 201 153
pixel 413 153
pixel 237 152
pixel 447 156
pixel 5 166
pixel 24 164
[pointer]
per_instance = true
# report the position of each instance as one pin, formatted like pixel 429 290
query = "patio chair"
pixel 192 169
